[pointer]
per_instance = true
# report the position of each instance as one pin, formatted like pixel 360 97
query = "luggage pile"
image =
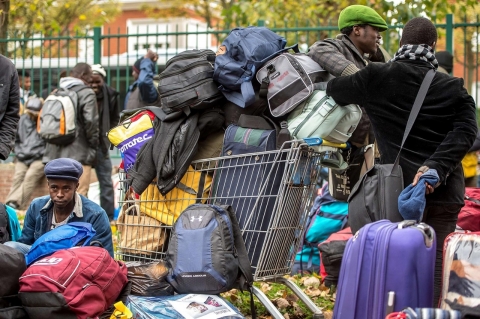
pixel 225 136
pixel 252 95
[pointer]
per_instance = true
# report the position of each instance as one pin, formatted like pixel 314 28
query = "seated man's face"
pixel 62 192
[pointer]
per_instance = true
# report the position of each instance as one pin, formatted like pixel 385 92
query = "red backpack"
pixel 469 216
pixel 80 282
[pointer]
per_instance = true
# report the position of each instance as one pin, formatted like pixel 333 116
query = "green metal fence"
pixel 44 56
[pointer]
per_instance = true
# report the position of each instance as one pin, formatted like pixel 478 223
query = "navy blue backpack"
pixel 63 237
pixel 246 50
pixel 206 252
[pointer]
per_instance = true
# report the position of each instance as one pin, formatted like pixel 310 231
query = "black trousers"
pixel 443 220
pixel 103 168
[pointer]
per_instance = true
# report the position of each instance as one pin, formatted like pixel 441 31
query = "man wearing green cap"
pixel 360 27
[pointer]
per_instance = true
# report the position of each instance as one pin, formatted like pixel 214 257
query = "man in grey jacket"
pixel 83 148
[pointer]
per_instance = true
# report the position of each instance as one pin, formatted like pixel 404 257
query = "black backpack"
pixel 187 82
pixel 4 225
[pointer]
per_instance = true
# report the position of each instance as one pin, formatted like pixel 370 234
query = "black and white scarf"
pixel 416 52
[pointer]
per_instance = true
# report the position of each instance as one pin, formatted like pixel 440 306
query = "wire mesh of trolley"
pixel 271 193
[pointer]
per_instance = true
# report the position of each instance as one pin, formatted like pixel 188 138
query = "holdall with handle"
pixel 63 237
pixel 386 259
pixel 245 51
pixel 375 196
pixel 288 80
pixel 80 282
pixel 187 82
pixel 320 116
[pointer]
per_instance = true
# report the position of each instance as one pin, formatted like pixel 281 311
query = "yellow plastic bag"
pixel 469 164
pixel 167 208
pixel 121 312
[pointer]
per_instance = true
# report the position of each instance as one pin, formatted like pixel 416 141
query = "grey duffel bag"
pixel 288 80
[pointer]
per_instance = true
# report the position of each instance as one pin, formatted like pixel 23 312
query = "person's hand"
pixel 429 189
pixel 151 55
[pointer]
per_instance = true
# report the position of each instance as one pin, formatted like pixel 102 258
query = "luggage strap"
pixel 245 279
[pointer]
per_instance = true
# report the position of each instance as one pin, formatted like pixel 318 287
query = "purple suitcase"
pixel 385 257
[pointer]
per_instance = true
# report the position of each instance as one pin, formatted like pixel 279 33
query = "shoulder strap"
pixel 245 281
pixel 243 260
pixel 415 110
pixel 78 88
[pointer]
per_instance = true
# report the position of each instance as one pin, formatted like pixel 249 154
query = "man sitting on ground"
pixel 64 205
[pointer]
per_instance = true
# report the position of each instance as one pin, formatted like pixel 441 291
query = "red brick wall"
pixel 6 177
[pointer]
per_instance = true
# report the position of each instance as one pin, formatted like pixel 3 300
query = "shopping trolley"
pixel 271 193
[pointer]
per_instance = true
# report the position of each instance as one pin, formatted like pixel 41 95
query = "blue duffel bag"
pixel 63 237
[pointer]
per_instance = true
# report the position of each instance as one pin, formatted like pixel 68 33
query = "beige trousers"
pixel 25 180
pixel 84 180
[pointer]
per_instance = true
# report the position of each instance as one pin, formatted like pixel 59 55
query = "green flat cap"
pixel 358 14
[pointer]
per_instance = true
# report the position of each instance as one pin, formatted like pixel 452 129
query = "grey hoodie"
pixel 84 147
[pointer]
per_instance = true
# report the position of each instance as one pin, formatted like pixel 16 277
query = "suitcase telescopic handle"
pixel 427 231
pixel 406 223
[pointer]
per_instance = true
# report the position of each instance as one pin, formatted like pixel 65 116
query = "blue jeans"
pixel 103 168
pixel 23 248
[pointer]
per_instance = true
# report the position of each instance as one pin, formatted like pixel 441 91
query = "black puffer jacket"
pixel 444 129
pixel 9 105
pixel 29 146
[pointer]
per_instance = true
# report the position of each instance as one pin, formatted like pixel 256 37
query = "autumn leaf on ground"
pixel 297 311
pixel 311 282
pixel 291 297
pixel 328 314
pixel 281 303
pixel 324 288
pixel 313 292
pixel 265 287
